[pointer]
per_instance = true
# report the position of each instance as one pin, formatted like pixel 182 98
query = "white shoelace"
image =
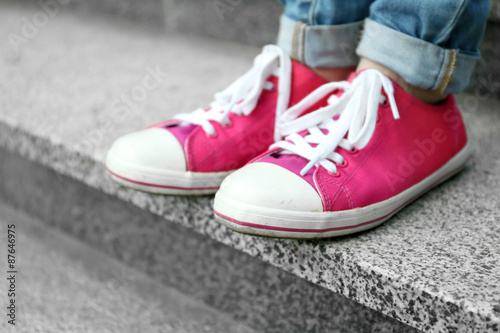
pixel 357 108
pixel 242 96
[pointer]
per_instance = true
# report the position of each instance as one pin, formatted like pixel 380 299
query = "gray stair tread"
pixel 67 286
pixel 494 11
pixel 433 265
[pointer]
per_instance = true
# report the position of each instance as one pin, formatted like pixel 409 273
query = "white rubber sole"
pixel 159 181
pixel 269 222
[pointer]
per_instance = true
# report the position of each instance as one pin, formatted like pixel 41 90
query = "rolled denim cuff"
pixel 326 46
pixel 420 63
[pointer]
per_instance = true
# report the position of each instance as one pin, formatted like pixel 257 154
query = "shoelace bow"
pixel 357 109
pixel 242 96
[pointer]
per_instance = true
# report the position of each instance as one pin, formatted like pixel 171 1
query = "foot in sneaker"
pixel 347 167
pixel 194 152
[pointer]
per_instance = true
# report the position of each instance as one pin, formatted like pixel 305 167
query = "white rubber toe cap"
pixel 271 186
pixel 154 148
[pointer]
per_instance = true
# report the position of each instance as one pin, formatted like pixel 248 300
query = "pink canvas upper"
pixel 247 136
pixel 400 154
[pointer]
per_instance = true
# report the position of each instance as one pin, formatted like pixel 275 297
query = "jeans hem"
pixel 325 46
pixel 419 63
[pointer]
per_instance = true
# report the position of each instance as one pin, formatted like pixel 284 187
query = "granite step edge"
pixel 49 257
pixel 357 275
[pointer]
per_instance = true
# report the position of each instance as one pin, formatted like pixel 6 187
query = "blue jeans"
pixel 432 44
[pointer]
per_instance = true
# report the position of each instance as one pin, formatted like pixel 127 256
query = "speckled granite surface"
pixel 485 81
pixel 433 266
pixel 494 10
pixel 250 22
pixel 147 12
pixel 241 286
pixel 67 286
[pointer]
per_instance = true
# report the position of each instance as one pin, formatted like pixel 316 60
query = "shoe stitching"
pixel 321 180
pixel 450 70
pixel 348 195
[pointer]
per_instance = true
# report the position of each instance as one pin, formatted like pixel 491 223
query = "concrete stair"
pixel 433 267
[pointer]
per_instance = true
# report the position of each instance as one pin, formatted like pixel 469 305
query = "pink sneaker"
pixel 194 152
pixel 353 164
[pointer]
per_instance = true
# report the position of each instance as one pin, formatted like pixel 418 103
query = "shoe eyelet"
pixel 271 86
pixel 343 165
pixel 353 151
pixel 386 100
pixel 231 124
pixel 334 174
pixel 385 105
pixel 212 136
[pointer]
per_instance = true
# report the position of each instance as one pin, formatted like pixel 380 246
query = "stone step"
pixel 250 22
pixel 64 285
pixel 196 16
pixel 432 266
pixel 252 292
pixel 144 12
